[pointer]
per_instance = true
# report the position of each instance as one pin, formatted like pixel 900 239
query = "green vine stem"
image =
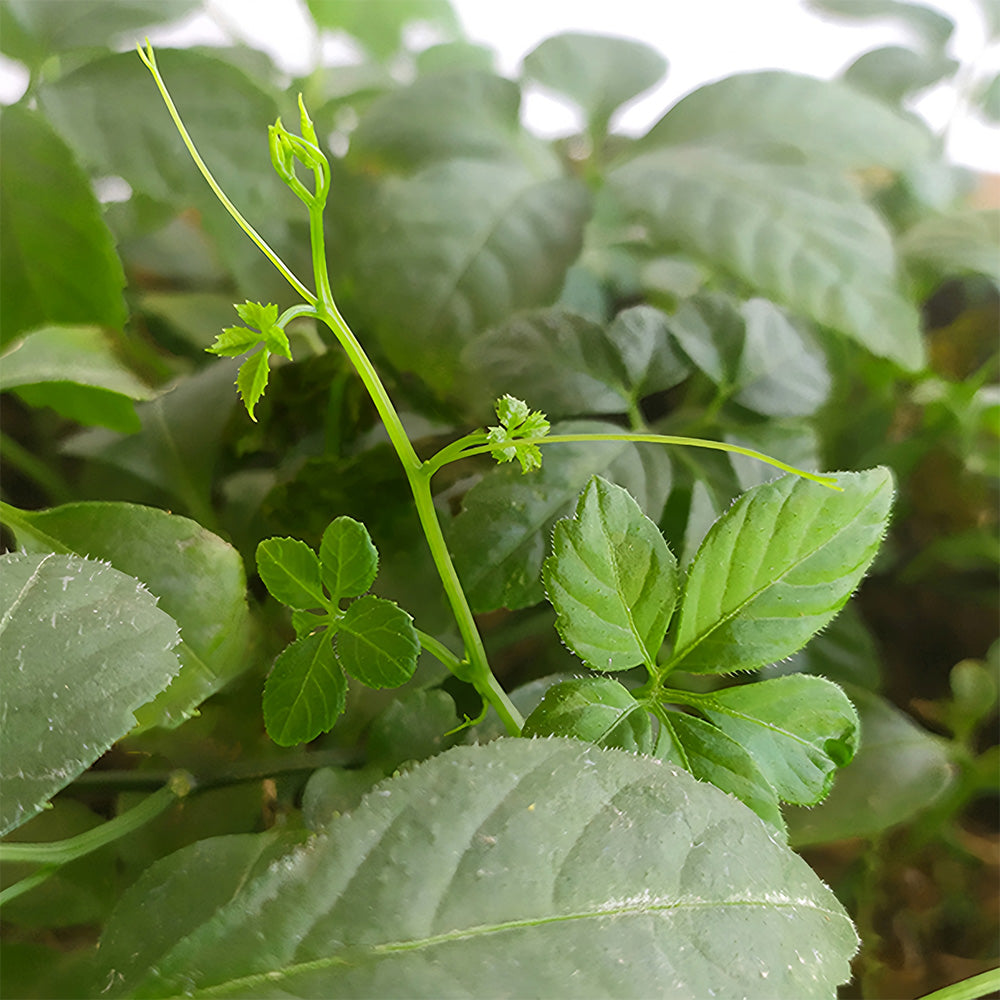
pixel 53 856
pixel 974 988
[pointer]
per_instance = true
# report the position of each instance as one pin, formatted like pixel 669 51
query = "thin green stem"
pixel 149 58
pixel 974 988
pixel 670 439
pixel 440 652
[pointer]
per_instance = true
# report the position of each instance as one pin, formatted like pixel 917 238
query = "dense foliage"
pixel 504 468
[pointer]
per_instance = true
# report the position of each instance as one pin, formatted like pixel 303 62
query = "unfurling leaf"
pixel 252 380
pixel 517 422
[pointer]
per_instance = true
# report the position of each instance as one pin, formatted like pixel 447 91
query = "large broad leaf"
pixel 57 256
pixel 826 119
pixel 476 241
pixel 198 579
pixel 33 31
pixel 566 364
pixel 83 647
pixel 596 709
pixel 597 72
pixel 712 756
pixel 801 235
pixel 438 117
pixel 380 26
pixel 777 566
pixel 611 579
pixel 521 868
pixel 75 370
pixel 899 770
pixel 798 730
pixel 499 539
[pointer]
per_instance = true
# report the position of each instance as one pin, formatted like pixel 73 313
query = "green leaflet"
pixel 798 729
pixel 487 865
pixel 777 566
pixel 73 630
pixel 611 579
pixel 596 709
pixel 373 640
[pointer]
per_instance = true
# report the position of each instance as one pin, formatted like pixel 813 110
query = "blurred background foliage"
pixel 782 262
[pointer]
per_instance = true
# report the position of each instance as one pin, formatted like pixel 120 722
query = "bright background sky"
pixel 703 41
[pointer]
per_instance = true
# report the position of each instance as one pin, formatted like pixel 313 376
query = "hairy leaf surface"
pixel 198 578
pixel 776 567
pixel 798 729
pixel 611 579
pixel 83 647
pixel 485 865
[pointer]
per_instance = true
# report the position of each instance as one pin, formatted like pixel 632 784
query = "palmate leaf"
pixel 83 647
pixel 801 235
pixel 611 579
pixel 798 729
pixel 484 871
pixel 776 567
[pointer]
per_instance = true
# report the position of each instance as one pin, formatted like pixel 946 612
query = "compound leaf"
pixel 291 572
pixel 377 643
pixel 305 692
pixel 484 865
pixel 776 567
pixel 348 558
pixel 798 729
pixel 84 646
pixel 596 709
pixel 611 579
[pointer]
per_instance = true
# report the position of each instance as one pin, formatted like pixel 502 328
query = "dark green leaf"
pixel 472 115
pixel 305 692
pixel 798 729
pixel 826 119
pixel 500 537
pixel 379 26
pixel 712 756
pixel 611 579
pixel 348 559
pixel 485 865
pixel 377 643
pixel 596 709
pixel 597 72
pixel 197 577
pixel 801 235
pixel 477 242
pixel 51 218
pixel 776 567
pixel 899 770
pixel 291 572
pixel 84 646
